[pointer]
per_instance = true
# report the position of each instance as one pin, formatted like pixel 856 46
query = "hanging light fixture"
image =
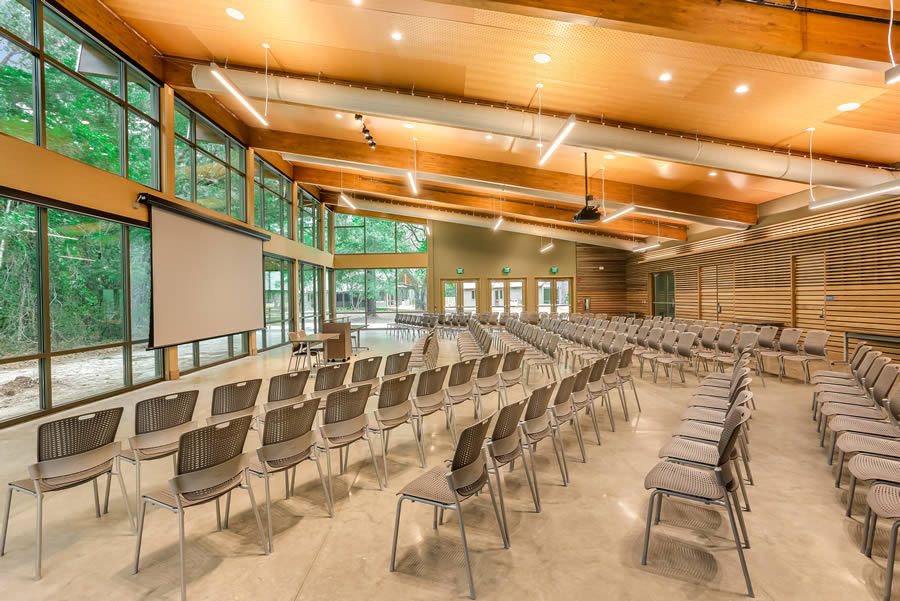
pixel 412 174
pixel 228 85
pixel 560 136
pixel 589 213
pixel 344 196
pixel 499 216
pixel 649 246
pixel 892 75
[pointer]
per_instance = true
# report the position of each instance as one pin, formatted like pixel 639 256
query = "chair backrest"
pixel 431 380
pixel 747 342
pixel 236 396
pixel 506 427
pixel 859 354
pixel 708 339
pixel 289 422
pixel 885 382
pixel 365 369
pixel 685 344
pixel 461 372
pixel 564 390
pixel 766 339
pixel 726 340
pixel 866 364
pixel 728 437
pixel 538 401
pixel 581 378
pixel 397 363
pixel 871 375
pixel 346 404
pixel 815 343
pixel 331 376
pixel 465 475
pixel 77 434
pixel 790 340
pixel 669 340
pixel 287 386
pixel 612 363
pixel 395 391
pixel 489 365
pixel 512 360
pixel 618 343
pixel 625 356
pixel 210 446
pixel 164 412
pixel 654 337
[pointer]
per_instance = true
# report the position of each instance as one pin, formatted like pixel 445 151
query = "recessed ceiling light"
pixel 609 157
pixel 234 14
pixel 489 137
pixel 850 106
pixel 542 57
pixel 713 173
pixel 408 125
pixel 742 89
pixel 397 36
pixel 339 116
pixel 540 85
pixel 357 2
pixel 665 77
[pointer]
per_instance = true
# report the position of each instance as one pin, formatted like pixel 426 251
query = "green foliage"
pixel 19 279
pixel 354 234
pixel 16 90
pixel 15 15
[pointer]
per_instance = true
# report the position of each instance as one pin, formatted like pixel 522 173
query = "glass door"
pixel 507 296
pixel 545 296
pixel 451 291
pixel 516 296
pixel 470 296
pixel 460 296
pixel 498 296
pixel 555 295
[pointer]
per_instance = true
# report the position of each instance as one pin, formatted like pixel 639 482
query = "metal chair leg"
pixel 396 528
pixel 181 553
pixel 648 526
pixel 462 533
pixel 737 543
pixel 259 528
pixel 269 512
pixel 9 492
pixel 140 534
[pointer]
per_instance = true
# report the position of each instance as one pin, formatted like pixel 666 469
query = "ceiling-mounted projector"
pixel 588 214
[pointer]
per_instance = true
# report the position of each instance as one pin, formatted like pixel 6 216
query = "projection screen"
pixel 207 278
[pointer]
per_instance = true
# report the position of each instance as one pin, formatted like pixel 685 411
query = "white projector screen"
pixel 207 279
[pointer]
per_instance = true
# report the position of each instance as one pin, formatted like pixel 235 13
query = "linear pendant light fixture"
pixel 879 190
pixel 344 196
pixel 560 136
pixel 892 75
pixel 547 246
pixel 410 174
pixel 226 83
pixel 623 211
pixel 499 217
pixel 656 244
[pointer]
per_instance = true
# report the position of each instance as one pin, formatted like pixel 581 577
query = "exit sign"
pixel 459 270
pixel 554 270
pixel 506 270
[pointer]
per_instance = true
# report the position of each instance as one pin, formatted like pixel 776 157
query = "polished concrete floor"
pixel 586 543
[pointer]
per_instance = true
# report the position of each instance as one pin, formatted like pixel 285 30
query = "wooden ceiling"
pixel 602 66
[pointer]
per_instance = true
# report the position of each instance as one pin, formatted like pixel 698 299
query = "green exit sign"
pixel 506 270
pixel 459 270
pixel 554 270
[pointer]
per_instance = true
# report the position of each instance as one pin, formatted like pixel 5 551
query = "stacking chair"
pixel 504 447
pixel 544 358
pixel 211 464
pixel 445 488
pixel 624 375
pixel 287 441
pixel 788 344
pixel 299 350
pixel 234 400
pixel 365 371
pixel 666 349
pixel 886 427
pixel 329 379
pixel 764 343
pixel 838 389
pixel 394 366
pixel 70 452
pixel 286 388
pixel 460 388
pixel 511 373
pixel 597 386
pixel 652 346
pixel 537 426
pixel 582 400
pixel 724 346
pixel 394 409
pixel 717 486
pixel 487 380
pixel 814 349
pixel 706 345
pixel 856 358
pixel 883 501
pixel 428 398
pixel 158 425
pixel 344 423
pixel 683 355
pixel 562 410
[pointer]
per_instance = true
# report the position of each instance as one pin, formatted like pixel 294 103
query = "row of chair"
pixel 414 324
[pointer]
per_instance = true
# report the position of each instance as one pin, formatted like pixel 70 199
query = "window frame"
pixel 287 265
pixel 307 202
pixel 364 226
pixel 348 315
pixel 668 277
pixel 260 187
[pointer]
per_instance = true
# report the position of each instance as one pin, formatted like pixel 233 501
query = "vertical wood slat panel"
pixel 600 276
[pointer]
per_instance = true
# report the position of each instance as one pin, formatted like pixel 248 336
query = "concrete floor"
pixel 586 544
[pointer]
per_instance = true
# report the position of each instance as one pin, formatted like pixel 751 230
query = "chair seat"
pixel 164 496
pixel 845 399
pixel 830 409
pixel 684 479
pixel 63 482
pixel 884 499
pixel 860 443
pixel 712 391
pixel 843 423
pixel 431 486
pixel 710 403
pixel 149 453
pixel 847 389
pixel 539 435
pixel 690 450
pixel 387 424
pixel 870 467
pixel 704 414
pixel 841 375
pixel 699 431
pixel 280 464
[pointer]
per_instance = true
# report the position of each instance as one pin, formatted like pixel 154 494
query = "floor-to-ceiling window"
pixel 374 296
pixel 356 235
pixel 209 164
pixel 309 278
pixel 203 353
pixel 277 306
pixel 327 229
pixel 308 208
pixel 663 291
pixel 64 90
pixel 74 323
pixel 271 199
pixel 329 287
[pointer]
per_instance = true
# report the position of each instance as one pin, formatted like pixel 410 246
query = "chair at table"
pixel 70 452
pixel 211 464
pixel 298 350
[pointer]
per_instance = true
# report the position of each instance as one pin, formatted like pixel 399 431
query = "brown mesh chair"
pixel 234 400
pixel 487 380
pixel 788 344
pixel 287 441
pixel 211 464
pixel 724 346
pixel 597 386
pixel 683 355
pixel 505 446
pixel 345 422
pixel 70 452
pixel 329 379
pixel 667 347
pixel 536 426
pixel 428 398
pixel 394 409
pixel 365 371
pixel 394 365
pixel 562 410
pixel 511 373
pixel 286 387
pixel 856 358
pixel 158 425
pixel 717 486
pixel 302 351
pixel 583 401
pixel 460 388
pixel 447 487
pixel 814 349
pixel 624 375
pixel 883 501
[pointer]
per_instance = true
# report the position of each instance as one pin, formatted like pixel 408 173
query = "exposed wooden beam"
pixel 484 204
pixel 729 23
pixel 539 179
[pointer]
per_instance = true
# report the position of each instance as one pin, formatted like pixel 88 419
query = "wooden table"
pixel 311 339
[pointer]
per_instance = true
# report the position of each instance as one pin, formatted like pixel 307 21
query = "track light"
pixel 619 213
pixel 546 248
pixel 560 136
pixel 365 131
pixel 347 200
pixel 226 83
pixel 412 182
pixel 499 221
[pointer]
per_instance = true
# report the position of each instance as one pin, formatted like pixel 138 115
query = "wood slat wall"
pixel 605 287
pixel 849 273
